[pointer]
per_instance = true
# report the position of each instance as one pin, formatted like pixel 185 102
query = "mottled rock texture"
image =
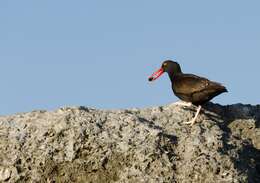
pixel 137 145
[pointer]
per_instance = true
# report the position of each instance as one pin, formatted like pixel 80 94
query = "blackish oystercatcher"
pixel 191 89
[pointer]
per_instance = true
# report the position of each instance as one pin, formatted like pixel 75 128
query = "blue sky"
pixel 100 53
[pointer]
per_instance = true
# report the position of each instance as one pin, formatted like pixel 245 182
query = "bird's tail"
pixel 219 88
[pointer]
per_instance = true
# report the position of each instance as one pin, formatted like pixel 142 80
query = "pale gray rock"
pixel 149 145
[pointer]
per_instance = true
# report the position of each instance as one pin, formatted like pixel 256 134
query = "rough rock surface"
pixel 136 145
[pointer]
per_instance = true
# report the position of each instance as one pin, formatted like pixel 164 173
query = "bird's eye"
pixel 165 64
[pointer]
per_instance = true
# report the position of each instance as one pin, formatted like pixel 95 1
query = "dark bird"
pixel 191 89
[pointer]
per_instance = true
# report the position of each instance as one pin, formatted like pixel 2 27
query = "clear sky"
pixel 56 53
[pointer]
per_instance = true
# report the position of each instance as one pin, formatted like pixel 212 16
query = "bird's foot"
pixel 182 103
pixel 192 122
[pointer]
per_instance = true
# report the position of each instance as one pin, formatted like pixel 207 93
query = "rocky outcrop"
pixel 136 145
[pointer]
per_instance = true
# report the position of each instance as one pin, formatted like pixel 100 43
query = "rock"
pixel 82 144
pixel 5 174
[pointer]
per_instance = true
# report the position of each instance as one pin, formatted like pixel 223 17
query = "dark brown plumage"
pixel 188 87
pixel 195 89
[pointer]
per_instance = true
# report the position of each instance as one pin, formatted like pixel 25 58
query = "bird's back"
pixel 195 89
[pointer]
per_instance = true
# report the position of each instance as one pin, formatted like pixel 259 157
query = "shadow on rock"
pixel 234 112
pixel 248 160
pixel 150 124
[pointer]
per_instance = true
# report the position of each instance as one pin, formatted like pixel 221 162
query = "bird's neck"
pixel 173 74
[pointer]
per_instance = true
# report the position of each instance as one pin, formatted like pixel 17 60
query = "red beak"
pixel 156 75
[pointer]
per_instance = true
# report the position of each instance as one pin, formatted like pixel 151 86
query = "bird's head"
pixel 168 66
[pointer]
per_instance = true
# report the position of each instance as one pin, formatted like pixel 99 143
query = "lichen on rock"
pixel 82 144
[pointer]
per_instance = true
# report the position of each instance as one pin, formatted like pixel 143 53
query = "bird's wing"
pixel 189 84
